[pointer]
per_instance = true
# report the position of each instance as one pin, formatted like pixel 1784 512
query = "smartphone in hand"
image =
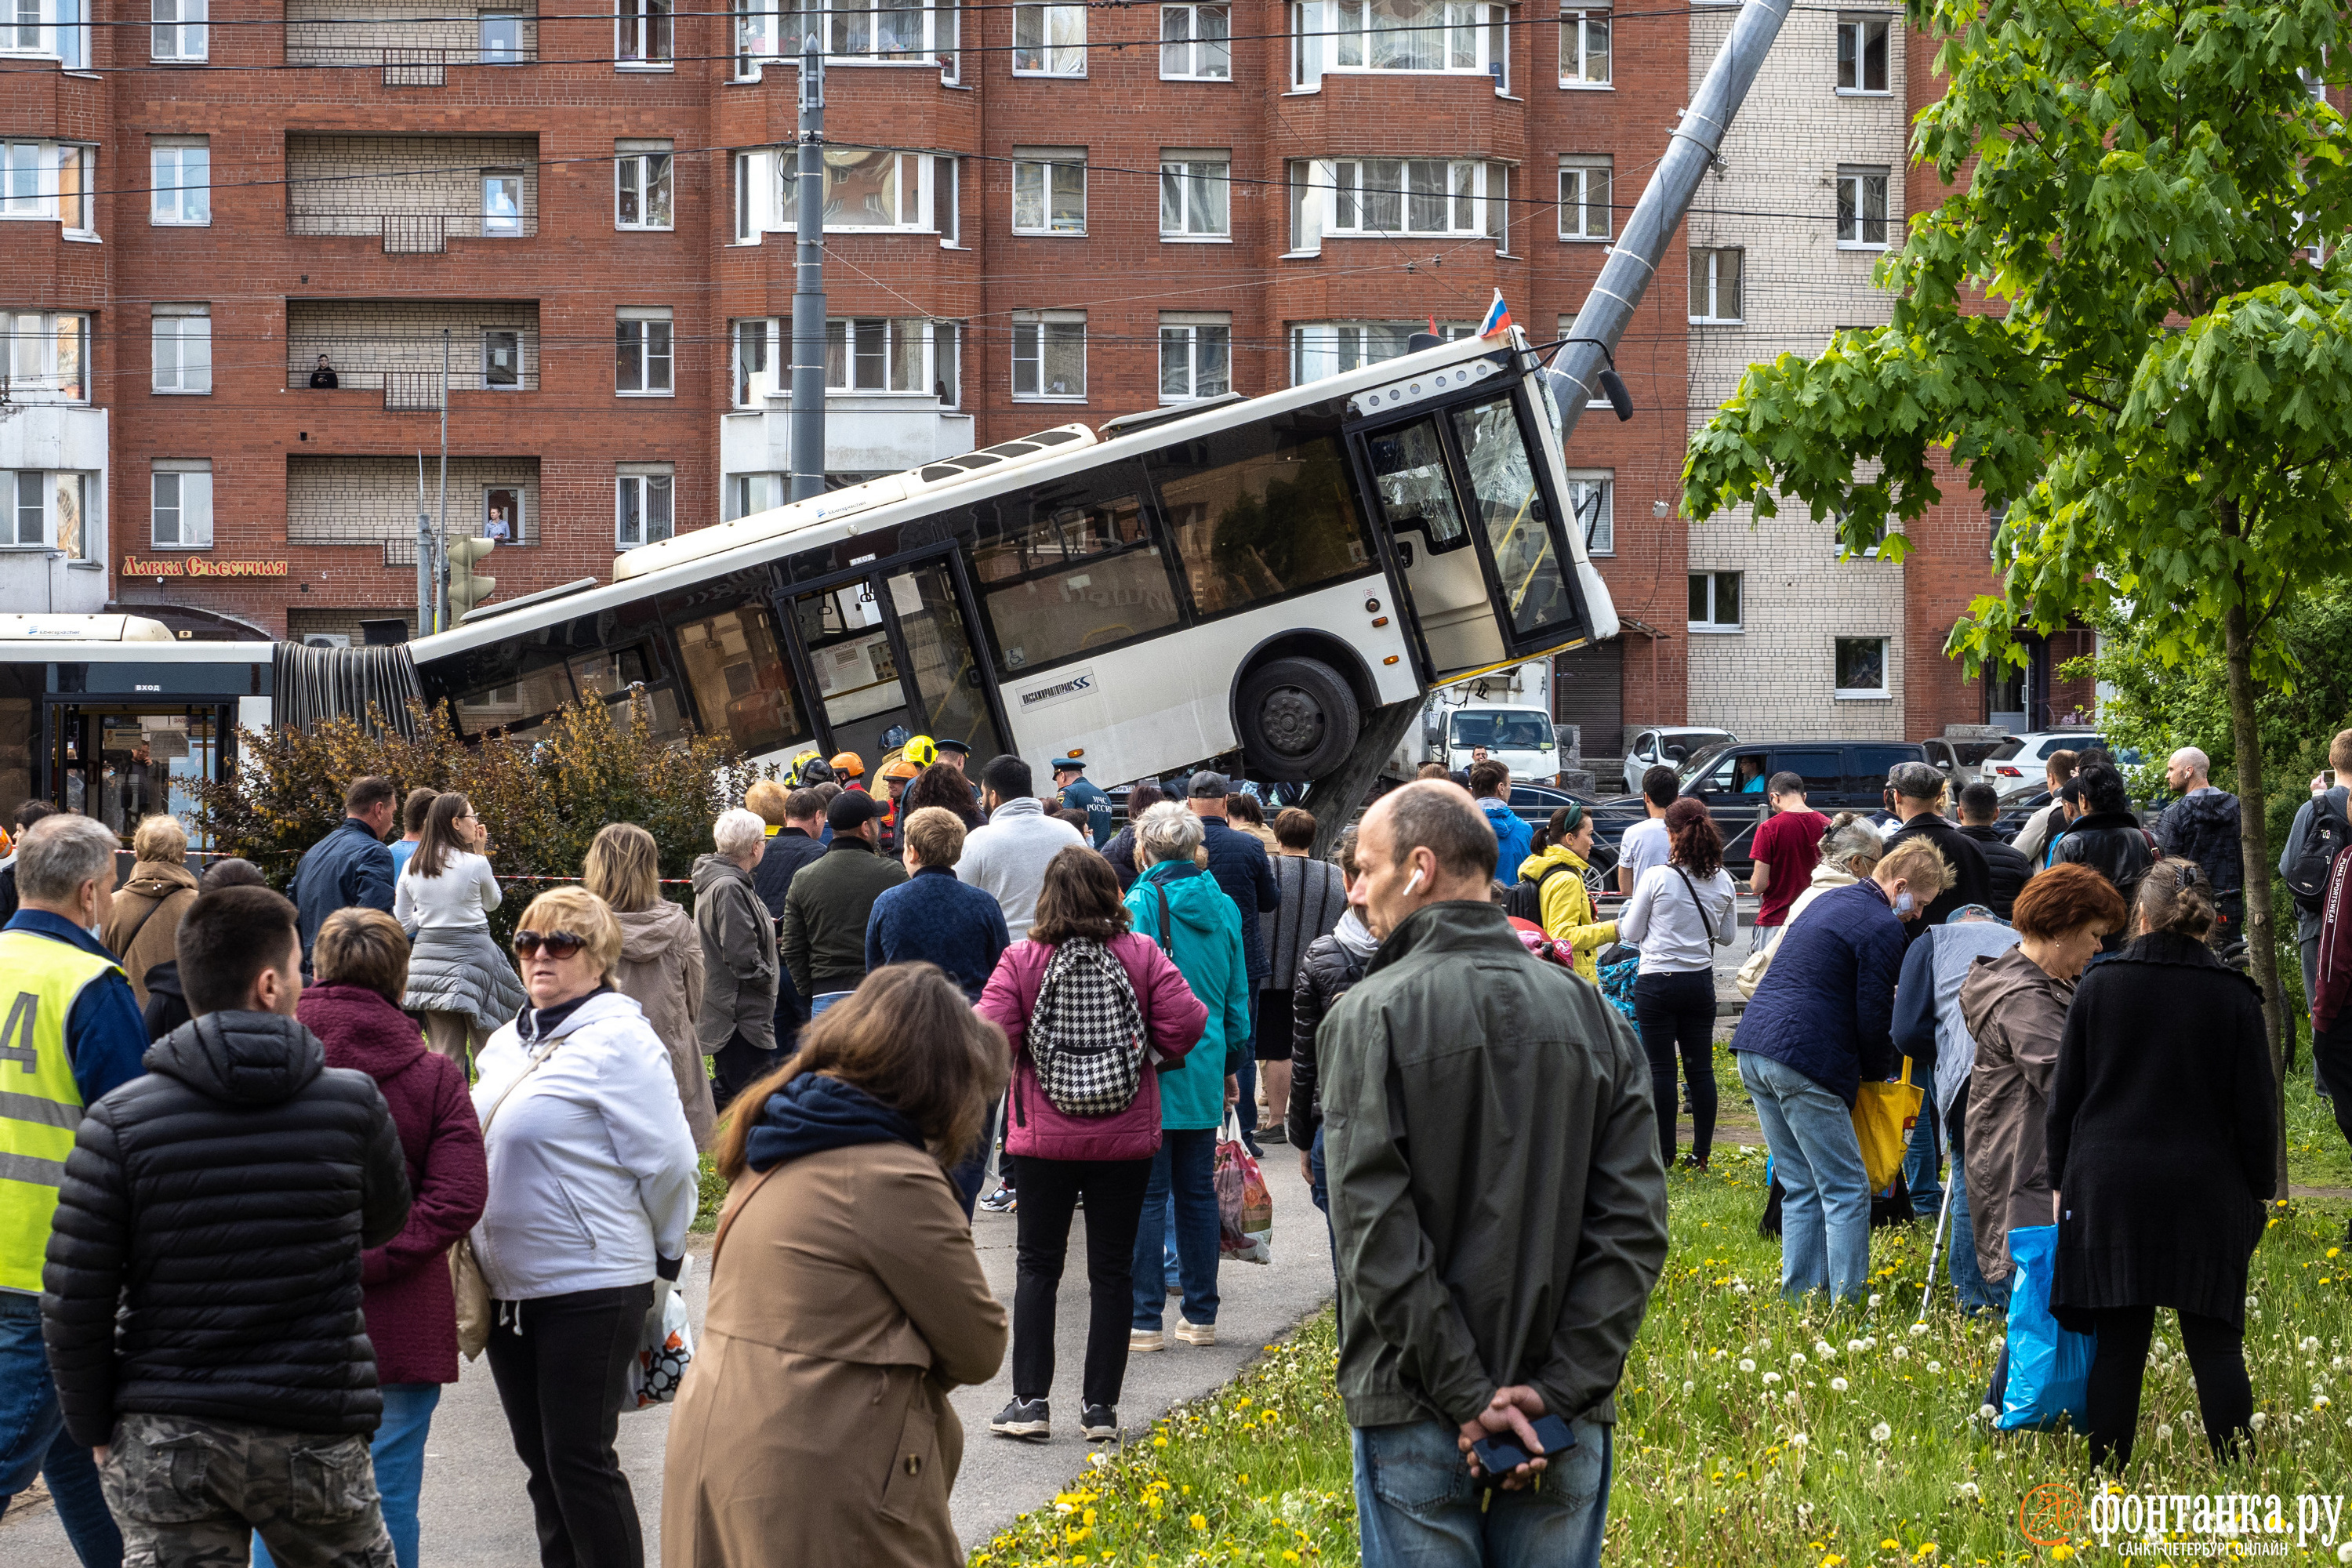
pixel 1501 1454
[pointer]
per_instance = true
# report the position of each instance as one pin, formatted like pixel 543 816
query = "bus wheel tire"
pixel 1298 718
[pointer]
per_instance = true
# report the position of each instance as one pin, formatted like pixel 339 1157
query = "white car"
pixel 2025 770
pixel 1648 748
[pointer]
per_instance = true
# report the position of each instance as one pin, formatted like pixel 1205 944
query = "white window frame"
pixel 1341 37
pixel 643 171
pixel 656 352
pixel 177 32
pixel 1357 189
pixel 749 493
pixel 176 200
pixel 1030 343
pixel 78 213
pixel 1201 344
pixel 190 506
pixel 1708 288
pixel 483 54
pixel 847 340
pixel 1585 482
pixel 1320 348
pixel 1853 36
pixel 517 532
pixel 1587 185
pixel 32 184
pixel 640 491
pixel 1587 49
pixel 758 37
pixel 1857 183
pixel 1712 625
pixel 22 483
pixel 914 177
pixel 751 385
pixel 1196 195
pixel 30 365
pixel 43 513
pixel 183 340
pixel 1042 179
pixel 521 373
pixel 644 34
pixel 1042 44
pixel 1884 692
pixel 56 29
pixel 1187 53
pixel 498 225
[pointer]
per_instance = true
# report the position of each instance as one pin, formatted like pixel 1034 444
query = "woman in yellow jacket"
pixel 1561 852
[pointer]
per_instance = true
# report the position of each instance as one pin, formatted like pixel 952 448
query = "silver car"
pixel 1672 745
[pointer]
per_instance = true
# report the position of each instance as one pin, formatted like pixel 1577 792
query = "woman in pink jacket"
pixel 1094 1014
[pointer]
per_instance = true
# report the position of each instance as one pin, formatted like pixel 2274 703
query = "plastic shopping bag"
pixel 1883 1114
pixel 660 1365
pixel 1245 1207
pixel 2049 1366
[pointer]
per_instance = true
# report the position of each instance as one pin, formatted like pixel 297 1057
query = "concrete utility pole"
pixel 441 556
pixel 424 553
pixel 808 283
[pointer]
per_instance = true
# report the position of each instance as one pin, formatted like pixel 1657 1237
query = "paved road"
pixel 475 1515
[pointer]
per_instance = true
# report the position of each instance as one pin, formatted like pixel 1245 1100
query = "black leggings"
pixel 2216 1355
pixel 1675 1013
pixel 1049 1193
pixel 562 1366
pixel 2332 1053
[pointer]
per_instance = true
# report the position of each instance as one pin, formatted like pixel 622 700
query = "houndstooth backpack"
pixel 1087 1033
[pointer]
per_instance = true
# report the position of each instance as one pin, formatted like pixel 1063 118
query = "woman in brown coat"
pixel 845 1297
pixel 660 967
pixel 2015 1007
pixel 146 925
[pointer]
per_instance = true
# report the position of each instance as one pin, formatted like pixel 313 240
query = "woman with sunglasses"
pixel 593 1176
pixel 457 978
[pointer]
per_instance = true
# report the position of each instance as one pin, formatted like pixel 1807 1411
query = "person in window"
pixel 323 378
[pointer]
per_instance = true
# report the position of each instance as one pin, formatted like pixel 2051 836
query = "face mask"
pixel 1904 903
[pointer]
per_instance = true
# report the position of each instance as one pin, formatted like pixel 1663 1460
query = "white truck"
pixel 1507 713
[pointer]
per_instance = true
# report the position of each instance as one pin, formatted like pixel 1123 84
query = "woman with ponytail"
pixel 1556 865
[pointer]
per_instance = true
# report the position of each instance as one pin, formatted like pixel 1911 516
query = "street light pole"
pixel 424 553
pixel 441 556
pixel 808 283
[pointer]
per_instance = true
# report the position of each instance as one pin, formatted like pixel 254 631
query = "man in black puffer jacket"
pixel 2107 837
pixel 2006 869
pixel 202 1296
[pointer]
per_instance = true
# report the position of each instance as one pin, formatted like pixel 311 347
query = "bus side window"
pixel 1262 511
pixel 738 678
pixel 532 685
pixel 1070 566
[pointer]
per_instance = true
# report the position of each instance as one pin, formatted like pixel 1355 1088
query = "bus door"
pixel 123 764
pixel 892 649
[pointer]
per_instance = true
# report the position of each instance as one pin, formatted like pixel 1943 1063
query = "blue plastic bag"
pixel 2049 1366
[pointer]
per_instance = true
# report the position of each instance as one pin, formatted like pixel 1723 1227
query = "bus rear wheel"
pixel 1298 718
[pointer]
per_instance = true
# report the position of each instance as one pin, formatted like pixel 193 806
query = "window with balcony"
pixel 501 359
pixel 1584 47
pixel 50 182
pixel 181 511
pixel 1457 36
pixel 1049 190
pixel 183 181
pixel 183 349
pixel 500 39
pixel 1714 284
pixel 901 30
pixel 1861 54
pixel 641 510
pixel 642 354
pixel 1713 602
pixel 502 198
pixel 641 186
pixel 865 189
pixel 913 355
pixel 1862 208
pixel 47 358
pixel 1592 508
pixel 1195 195
pixel 754 345
pixel 1195 43
pixel 1049 40
pixel 1196 356
pixel 1402 195
pixel 644 33
pixel 1318 349
pixel 178 32
pixel 46 511
pixel 1584 211
pixel 1049 356
pixel 748 493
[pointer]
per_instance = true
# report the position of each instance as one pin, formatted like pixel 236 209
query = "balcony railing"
pixel 411 390
pixel 413 233
pixel 422 67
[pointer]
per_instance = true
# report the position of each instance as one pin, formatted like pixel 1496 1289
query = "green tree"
pixel 2116 327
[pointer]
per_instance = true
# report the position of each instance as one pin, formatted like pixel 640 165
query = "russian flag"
pixel 1499 318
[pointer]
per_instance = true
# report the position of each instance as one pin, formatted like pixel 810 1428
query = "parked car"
pixel 1840 775
pixel 1534 803
pixel 1965 761
pixel 1674 745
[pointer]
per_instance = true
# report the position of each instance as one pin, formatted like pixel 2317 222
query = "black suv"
pixel 1840 775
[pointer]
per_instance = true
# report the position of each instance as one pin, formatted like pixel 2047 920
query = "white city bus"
pixel 1255 575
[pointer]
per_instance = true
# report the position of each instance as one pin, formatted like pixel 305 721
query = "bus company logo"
pixel 2049 1514
pixel 1078 685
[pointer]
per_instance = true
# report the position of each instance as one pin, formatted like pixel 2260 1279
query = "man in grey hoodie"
pixel 1007 857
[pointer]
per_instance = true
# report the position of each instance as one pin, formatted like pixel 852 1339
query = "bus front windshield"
pixel 1518 522
pixel 1502 732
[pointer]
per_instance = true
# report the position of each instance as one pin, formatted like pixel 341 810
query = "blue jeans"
pixel 1183 1168
pixel 398 1450
pixel 33 1440
pixel 1825 1192
pixel 1417 1505
pixel 826 999
pixel 1245 1060
pixel 1922 1160
pixel 1319 1191
pixel 1976 1292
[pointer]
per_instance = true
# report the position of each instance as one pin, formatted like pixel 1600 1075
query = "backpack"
pixel 1525 899
pixel 1086 1034
pixel 2330 835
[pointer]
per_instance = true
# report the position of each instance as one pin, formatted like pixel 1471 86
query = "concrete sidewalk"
pixel 476 1516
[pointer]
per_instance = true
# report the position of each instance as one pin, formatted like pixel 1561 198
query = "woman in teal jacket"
pixel 1175 904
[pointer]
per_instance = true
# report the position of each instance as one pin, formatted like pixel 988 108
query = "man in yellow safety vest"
pixel 70 1032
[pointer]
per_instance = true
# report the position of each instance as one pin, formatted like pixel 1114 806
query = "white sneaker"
pixel 1143 1339
pixel 1193 1334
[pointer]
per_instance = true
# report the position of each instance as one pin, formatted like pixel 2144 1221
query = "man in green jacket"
pixel 1498 1203
pixel 830 899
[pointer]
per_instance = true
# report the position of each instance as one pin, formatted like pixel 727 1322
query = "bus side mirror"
pixel 1612 387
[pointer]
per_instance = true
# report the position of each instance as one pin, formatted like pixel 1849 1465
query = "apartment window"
pixel 1861 668
pixel 1861 54
pixel 1196 356
pixel 503 518
pixel 873 353
pixel 888 28
pixel 870 29
pixel 501 200
pixel 1310 203
pixel 752 379
pixel 47 357
pixel 501 37
pixel 181 516
pixel 1584 47
pixel 49 181
pixel 1193 43
pixel 641 186
pixel 1714 601
pixel 642 354
pixel 72 34
pixel 1049 190
pixel 183 181
pixel 864 188
pixel 1049 356
pixel 1195 195
pixel 21 163
pixel 1318 349
pixel 179 29
pixel 77 189
pixel 1592 508
pixel 29 515
pixel 1862 207
pixel 184 348
pixel 501 359
pixel 1396 35
pixel 645 33
pixel 1414 195
pixel 1714 284
pixel 642 509
pixel 47 510
pixel 1049 40
pixel 25 28
pixel 1584 198
pixel 748 493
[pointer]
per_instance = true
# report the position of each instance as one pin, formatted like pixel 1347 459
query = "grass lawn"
pixel 1742 1440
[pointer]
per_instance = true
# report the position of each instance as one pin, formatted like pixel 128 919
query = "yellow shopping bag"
pixel 1884 1115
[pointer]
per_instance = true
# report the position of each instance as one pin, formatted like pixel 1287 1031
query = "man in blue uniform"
pixel 1079 794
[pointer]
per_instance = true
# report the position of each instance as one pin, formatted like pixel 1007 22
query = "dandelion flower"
pixel 1968 1491
pixel 2310 1345
pixel 1161 1441
pixel 1890 1546
pixel 2321 1403
pixel 1199 1521
pixel 1746 1364
pixel 1688 1386
pixel 1739 1286
pixel 2060 1553
pixel 1799 1440
pixel 1796 1358
pixel 2344 1553
pixel 1918 1329
pixel 1902 1353
pixel 2164 1432
pixel 1858 1346
pixel 1881 1433
pixel 1875 1298
pixel 1771 1377
pixel 1987 1412
pixel 1934 1368
pixel 2259 1421
pixel 1837 1385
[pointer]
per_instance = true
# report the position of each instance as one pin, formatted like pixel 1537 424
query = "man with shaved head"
pixel 1497 1205
pixel 2202 826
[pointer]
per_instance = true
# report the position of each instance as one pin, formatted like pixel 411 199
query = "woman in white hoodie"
pixel 592 1183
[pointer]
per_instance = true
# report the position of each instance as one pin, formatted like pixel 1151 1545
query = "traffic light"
pixel 467 585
